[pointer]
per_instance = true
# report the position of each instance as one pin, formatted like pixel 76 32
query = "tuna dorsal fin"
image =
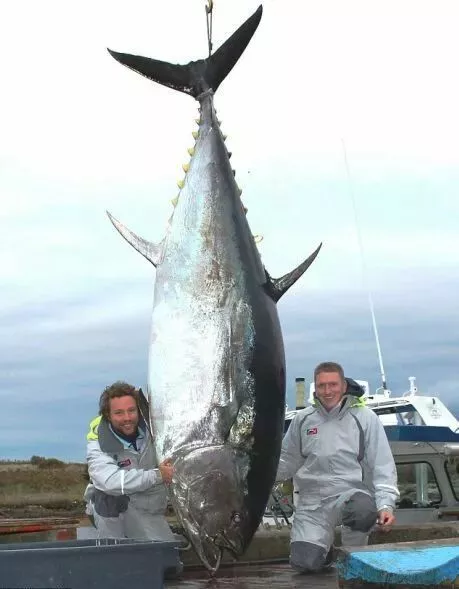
pixel 149 250
pixel 199 76
pixel 276 287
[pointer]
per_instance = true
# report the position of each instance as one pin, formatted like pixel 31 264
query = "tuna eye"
pixel 236 518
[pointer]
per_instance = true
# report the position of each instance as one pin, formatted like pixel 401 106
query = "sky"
pixel 80 134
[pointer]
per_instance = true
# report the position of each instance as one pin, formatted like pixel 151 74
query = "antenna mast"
pixel 364 271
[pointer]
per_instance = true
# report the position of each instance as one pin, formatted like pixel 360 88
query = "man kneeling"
pixel 127 496
pixel 340 458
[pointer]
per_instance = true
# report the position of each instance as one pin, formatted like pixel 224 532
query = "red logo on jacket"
pixel 125 462
pixel 312 431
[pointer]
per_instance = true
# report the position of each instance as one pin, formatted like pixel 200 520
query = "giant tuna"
pixel 216 374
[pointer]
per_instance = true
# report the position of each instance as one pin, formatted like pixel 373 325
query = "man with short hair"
pixel 127 496
pixel 339 456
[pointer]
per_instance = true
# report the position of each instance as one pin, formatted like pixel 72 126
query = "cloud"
pixel 50 380
pixel 81 134
pixel 418 330
pixel 57 358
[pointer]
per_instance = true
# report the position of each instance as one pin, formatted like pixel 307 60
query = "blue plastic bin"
pixel 87 564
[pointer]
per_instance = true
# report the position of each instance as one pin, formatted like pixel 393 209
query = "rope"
pixel 209 10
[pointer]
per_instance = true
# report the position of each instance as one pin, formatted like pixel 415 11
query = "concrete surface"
pixel 276 576
pixel 274 545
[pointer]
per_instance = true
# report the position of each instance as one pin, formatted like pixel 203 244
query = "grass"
pixel 49 488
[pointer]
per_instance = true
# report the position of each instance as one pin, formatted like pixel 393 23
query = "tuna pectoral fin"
pixel 197 76
pixel 276 287
pixel 149 250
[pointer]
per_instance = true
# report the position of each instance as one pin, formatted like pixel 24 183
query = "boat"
pixel 424 438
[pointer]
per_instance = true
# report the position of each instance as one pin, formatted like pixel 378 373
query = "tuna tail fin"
pixel 197 76
pixel 149 250
pixel 276 287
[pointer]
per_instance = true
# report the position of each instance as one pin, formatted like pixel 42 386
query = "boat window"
pixel 417 485
pixel 452 470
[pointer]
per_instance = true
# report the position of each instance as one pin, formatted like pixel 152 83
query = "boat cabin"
pixel 424 438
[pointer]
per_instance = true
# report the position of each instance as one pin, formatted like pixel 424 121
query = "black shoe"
pixel 329 560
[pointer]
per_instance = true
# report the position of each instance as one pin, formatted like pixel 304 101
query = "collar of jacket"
pixel 127 445
pixel 348 401
pixel 109 442
pixel 353 397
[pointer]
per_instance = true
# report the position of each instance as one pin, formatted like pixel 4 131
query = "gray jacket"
pixel 121 475
pixel 331 453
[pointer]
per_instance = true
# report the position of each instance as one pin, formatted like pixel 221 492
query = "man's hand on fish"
pixel 167 470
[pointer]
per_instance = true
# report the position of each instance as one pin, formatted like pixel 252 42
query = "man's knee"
pixel 359 512
pixel 307 557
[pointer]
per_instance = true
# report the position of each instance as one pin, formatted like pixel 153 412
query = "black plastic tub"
pixel 87 564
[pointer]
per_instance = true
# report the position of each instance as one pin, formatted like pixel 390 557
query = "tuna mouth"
pixel 213 568
pixel 235 546
pixel 208 552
